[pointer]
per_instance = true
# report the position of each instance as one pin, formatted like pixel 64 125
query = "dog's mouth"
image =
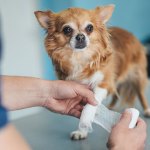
pixel 80 45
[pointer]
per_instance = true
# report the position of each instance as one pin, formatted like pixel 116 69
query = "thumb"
pixel 86 93
pixel 125 119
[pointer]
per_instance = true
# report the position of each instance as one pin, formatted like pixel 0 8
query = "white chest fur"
pixel 94 80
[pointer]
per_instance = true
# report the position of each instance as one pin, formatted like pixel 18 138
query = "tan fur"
pixel 130 65
pixel 114 51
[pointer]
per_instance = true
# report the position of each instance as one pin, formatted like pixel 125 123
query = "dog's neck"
pixel 84 64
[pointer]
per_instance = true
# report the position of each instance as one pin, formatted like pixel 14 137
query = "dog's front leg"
pixel 88 114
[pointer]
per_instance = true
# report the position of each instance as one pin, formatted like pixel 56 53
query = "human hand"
pixel 123 138
pixel 68 97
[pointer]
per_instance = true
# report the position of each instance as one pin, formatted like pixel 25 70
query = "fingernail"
pixel 126 113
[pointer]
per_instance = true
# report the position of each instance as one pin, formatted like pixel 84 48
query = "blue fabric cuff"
pixel 3 117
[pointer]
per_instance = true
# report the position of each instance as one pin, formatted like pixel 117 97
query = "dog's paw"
pixel 147 112
pixel 78 135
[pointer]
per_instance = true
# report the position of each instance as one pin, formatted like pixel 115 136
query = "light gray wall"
pixel 21 52
pixel 21 48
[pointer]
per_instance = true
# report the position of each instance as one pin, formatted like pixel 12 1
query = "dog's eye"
pixel 67 30
pixel 89 28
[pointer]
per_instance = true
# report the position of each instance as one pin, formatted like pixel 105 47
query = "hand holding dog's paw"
pixel 78 135
pixel 67 97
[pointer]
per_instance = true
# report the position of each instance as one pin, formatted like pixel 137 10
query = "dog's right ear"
pixel 44 18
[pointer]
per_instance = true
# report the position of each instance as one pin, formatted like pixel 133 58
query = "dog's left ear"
pixel 105 12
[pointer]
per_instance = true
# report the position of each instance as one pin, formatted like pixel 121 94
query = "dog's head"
pixel 75 31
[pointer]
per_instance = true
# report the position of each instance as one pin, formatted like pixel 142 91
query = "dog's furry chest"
pixel 75 73
pixel 83 71
pixel 93 80
pixel 78 64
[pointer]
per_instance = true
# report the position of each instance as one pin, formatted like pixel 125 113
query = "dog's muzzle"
pixel 80 41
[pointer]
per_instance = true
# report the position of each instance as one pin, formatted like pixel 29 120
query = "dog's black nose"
pixel 80 41
pixel 80 37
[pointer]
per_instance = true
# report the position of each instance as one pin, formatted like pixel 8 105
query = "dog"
pixel 83 49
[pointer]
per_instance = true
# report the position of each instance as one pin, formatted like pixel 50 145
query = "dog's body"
pixel 84 50
pixel 130 66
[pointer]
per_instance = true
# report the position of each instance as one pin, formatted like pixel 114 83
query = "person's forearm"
pixel 23 92
pixel 10 139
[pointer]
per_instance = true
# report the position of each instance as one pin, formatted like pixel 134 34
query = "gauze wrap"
pixel 104 117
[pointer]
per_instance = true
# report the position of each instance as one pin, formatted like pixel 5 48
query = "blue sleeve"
pixel 3 116
pixel 3 111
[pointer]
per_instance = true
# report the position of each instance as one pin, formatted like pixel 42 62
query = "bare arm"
pixel 11 139
pixel 63 97
pixel 24 92
pixel 21 92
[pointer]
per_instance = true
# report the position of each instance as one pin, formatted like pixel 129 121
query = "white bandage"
pixel 89 111
pixel 107 118
pixel 87 118
pixel 104 117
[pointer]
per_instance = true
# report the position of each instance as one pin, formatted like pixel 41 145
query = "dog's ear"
pixel 105 12
pixel 44 18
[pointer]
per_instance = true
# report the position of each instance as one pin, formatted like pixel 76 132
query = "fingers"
pixel 125 119
pixel 141 125
pixel 75 113
pixel 141 130
pixel 79 108
pixel 84 91
pixel 87 94
pixel 76 109
pixel 83 102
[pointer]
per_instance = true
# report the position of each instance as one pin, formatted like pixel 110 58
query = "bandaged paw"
pixel 87 118
pixel 104 117
pixel 89 111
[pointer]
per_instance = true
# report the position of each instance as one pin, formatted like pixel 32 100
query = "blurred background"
pixel 22 37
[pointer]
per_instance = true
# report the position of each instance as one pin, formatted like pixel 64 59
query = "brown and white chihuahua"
pixel 83 49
